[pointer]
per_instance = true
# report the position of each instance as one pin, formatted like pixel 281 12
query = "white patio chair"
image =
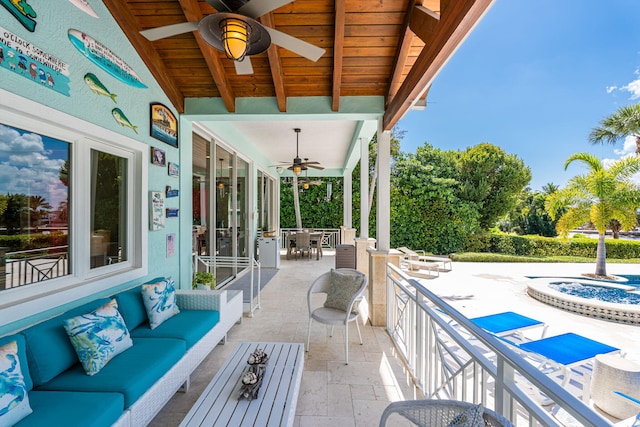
pixel 345 289
pixel 435 412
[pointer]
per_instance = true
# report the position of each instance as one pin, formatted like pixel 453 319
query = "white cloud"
pixel 611 88
pixel 629 147
pixel 634 88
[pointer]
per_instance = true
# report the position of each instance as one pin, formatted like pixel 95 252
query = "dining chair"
pixel 316 244
pixel 303 244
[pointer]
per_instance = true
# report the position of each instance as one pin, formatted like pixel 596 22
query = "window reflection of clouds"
pixel 31 164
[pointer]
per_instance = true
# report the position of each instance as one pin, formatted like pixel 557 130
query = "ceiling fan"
pixel 235 31
pixel 297 166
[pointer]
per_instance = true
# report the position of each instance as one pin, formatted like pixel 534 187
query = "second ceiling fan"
pixel 297 166
pixel 235 31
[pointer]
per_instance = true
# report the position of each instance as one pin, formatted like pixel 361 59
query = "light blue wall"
pixel 54 19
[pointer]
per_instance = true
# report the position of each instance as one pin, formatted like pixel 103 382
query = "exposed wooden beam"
pixel 193 13
pixel 400 61
pixel 338 53
pixel 423 22
pixel 120 12
pixel 457 21
pixel 276 66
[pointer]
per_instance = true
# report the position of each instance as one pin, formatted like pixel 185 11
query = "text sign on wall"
pixel 24 58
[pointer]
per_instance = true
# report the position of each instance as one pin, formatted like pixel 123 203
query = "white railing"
pixel 450 357
pixel 35 265
pixel 237 264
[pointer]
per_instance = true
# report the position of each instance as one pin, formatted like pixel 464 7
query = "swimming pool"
pixel 617 301
pixel 601 293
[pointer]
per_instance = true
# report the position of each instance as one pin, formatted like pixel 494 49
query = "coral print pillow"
pixel 160 301
pixel 98 336
pixel 14 401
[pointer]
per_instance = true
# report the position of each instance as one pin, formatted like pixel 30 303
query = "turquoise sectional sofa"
pixel 132 388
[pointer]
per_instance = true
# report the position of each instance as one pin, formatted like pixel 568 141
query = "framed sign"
pixel 164 125
pixel 156 210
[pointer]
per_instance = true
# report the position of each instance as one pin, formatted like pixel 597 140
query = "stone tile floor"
pixel 332 393
pixel 335 394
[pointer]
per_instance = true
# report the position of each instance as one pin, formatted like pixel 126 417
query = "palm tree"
pixel 622 123
pixel 599 196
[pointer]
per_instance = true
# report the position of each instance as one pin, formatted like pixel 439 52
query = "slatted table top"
pixel 220 405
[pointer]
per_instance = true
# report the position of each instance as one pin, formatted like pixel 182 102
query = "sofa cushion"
pixel 131 307
pixel 189 325
pixel 98 336
pixel 22 355
pixel 131 373
pixel 14 400
pixel 160 301
pixel 69 408
pixel 49 350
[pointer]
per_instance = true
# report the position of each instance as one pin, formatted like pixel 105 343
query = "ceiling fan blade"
pixel 219 5
pixel 243 67
pixel 158 33
pixel 315 167
pixel 311 163
pixel 255 9
pixel 295 45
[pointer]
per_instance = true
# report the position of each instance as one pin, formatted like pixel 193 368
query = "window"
pixel 108 209
pixel 34 207
pixel 81 218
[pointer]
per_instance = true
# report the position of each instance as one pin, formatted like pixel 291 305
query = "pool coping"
pixel 539 289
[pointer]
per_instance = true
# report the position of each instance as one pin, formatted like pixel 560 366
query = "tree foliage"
pixel 622 123
pixel 529 216
pixel 599 196
pixel 492 179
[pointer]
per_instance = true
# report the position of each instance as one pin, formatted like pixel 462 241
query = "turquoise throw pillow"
pixel 14 400
pixel 342 287
pixel 471 417
pixel 98 336
pixel 160 301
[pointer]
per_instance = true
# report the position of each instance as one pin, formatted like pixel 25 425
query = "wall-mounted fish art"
pixel 22 11
pixel 84 6
pixel 96 86
pixel 25 59
pixel 104 58
pixel 122 120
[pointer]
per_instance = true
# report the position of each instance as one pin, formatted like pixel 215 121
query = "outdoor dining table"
pixel 290 239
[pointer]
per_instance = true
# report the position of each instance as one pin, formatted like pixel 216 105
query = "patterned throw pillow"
pixel 98 336
pixel 471 417
pixel 14 401
pixel 343 286
pixel 160 301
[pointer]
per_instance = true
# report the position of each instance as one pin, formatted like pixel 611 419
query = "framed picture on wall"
pixel 171 244
pixel 174 169
pixel 164 125
pixel 158 157
pixel 156 210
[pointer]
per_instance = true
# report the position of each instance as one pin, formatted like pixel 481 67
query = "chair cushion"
pixel 189 325
pixel 342 287
pixel 131 307
pixel 98 336
pixel 471 417
pixel 160 301
pixel 131 373
pixel 49 351
pixel 69 408
pixel 14 400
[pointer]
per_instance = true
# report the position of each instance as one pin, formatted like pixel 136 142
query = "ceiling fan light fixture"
pixel 297 169
pixel 235 37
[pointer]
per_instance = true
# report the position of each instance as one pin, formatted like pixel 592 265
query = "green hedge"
pixel 23 242
pixel 549 246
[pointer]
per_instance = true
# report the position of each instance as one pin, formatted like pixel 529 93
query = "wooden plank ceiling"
pixel 389 48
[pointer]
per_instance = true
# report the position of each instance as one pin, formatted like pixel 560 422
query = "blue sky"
pixel 534 77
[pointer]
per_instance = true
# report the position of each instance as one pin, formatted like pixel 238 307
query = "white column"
pixel 364 189
pixel 347 220
pixel 383 211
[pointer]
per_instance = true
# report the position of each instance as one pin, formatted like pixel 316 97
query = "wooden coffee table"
pixel 220 404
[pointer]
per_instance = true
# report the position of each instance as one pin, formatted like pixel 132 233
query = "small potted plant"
pixel 204 281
